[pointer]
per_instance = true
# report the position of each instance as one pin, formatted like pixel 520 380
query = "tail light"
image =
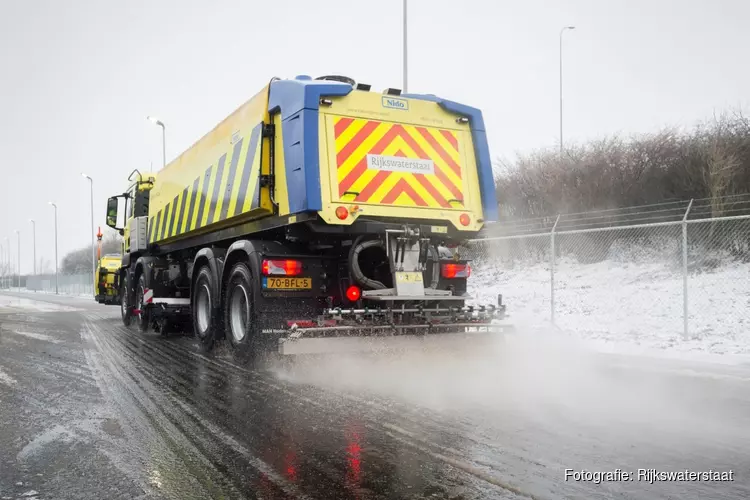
pixel 342 213
pixel 282 267
pixel 353 293
pixel 451 271
pixel 464 219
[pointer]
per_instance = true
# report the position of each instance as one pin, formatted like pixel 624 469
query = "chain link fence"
pixel 662 274
pixel 66 284
pixel 663 282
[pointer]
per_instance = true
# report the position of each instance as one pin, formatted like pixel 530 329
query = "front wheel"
pixel 240 318
pixel 124 306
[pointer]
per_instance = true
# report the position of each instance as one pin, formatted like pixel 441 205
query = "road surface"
pixel 90 409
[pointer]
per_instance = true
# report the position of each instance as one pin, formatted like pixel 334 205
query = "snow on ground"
pixel 628 307
pixel 6 379
pixel 63 292
pixel 11 302
pixel 36 336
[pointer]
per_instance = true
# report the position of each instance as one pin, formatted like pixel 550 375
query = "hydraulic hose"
pixel 435 267
pixel 358 247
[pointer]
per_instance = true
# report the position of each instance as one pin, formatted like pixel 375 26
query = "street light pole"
pixel 561 85
pixel 160 123
pixel 33 236
pixel 8 264
pixel 93 246
pixel 405 90
pixel 18 237
pixel 56 276
pixel 3 260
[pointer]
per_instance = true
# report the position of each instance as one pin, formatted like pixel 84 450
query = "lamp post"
pixel 93 246
pixel 6 261
pixel 160 123
pixel 405 90
pixel 18 237
pixel 56 276
pixel 561 85
pixel 33 236
pixel 33 240
pixel 9 264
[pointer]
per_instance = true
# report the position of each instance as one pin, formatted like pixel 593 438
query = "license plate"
pixel 287 283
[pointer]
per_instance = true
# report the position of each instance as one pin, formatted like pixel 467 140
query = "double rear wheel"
pixel 235 318
pixel 241 322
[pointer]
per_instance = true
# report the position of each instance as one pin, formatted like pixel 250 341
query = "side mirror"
pixel 116 212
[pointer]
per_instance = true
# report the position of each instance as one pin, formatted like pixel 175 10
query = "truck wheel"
pixel 124 306
pixel 143 318
pixel 205 319
pixel 240 319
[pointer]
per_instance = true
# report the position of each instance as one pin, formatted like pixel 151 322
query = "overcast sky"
pixel 79 78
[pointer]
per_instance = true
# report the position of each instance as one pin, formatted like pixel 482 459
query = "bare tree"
pixel 710 161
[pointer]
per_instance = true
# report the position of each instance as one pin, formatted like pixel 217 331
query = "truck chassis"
pixel 223 290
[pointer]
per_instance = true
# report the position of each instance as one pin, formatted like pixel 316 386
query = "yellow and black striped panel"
pixel 228 188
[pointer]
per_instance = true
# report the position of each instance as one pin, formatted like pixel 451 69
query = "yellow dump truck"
pixel 106 279
pixel 319 216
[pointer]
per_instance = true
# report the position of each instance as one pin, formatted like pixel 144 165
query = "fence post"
pixel 685 272
pixel 552 272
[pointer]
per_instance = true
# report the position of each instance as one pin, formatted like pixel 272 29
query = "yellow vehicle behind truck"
pixel 318 217
pixel 106 279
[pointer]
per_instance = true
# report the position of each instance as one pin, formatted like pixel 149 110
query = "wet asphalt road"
pixel 90 409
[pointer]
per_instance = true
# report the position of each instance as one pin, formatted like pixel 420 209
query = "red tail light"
pixel 342 213
pixel 282 267
pixel 353 293
pixel 451 271
pixel 464 219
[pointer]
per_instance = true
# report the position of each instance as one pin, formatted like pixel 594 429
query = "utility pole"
pixel 561 85
pixel 406 60
pixel 33 232
pixel 2 266
pixel 57 290
pixel 18 237
pixel 7 263
pixel 93 246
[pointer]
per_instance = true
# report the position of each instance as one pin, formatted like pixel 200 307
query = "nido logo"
pixel 393 103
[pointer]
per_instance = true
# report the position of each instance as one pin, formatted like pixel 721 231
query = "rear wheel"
pixel 124 306
pixel 206 320
pixel 240 318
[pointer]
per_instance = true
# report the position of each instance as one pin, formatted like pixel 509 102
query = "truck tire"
pixel 240 317
pixel 206 321
pixel 143 318
pixel 124 306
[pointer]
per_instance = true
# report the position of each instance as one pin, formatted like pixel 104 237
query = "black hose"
pixel 354 268
pixel 435 267
pixel 358 247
